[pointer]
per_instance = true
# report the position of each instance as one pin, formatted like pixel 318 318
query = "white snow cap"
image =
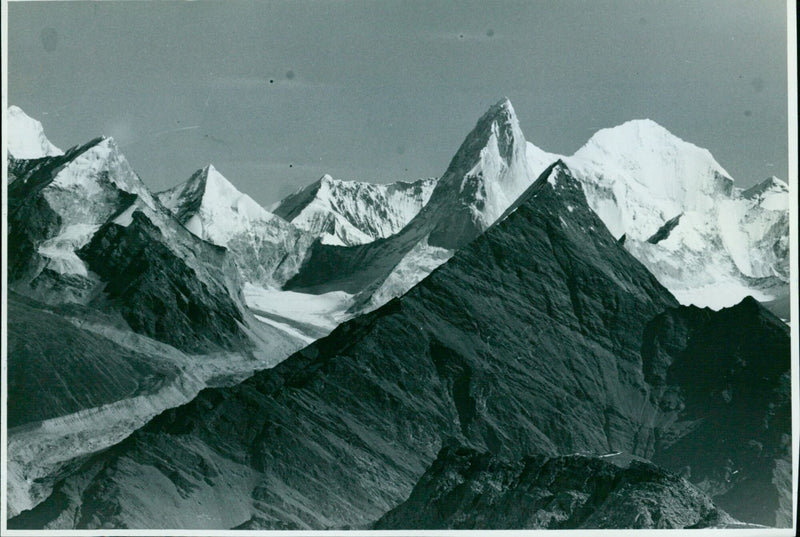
pixel 639 175
pixel 25 136
pixel 218 210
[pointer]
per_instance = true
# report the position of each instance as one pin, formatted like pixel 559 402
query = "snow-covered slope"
pixel 351 212
pixel 638 175
pixel 25 137
pixel 266 248
pixel 708 242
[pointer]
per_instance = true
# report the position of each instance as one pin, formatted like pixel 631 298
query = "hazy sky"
pixel 275 94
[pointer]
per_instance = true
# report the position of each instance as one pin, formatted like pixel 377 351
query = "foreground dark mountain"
pixel 729 372
pixel 465 489
pixel 528 341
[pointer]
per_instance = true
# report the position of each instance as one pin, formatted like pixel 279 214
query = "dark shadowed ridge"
pixel 465 489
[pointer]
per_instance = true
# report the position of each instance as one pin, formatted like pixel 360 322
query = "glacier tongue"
pixel 25 137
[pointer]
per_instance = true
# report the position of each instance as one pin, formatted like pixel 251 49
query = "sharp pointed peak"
pixel 771 184
pixel 213 182
pixel 502 111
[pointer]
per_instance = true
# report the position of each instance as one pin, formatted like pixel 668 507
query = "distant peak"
pixel 213 183
pixel 770 184
pixel 25 136
pixel 502 110
pixel 635 131
pixel 499 123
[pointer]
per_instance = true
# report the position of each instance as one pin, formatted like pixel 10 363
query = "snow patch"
pixel 60 250
pixel 25 137
pixel 325 311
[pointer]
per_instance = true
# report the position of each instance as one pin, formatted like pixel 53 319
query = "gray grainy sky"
pixel 275 94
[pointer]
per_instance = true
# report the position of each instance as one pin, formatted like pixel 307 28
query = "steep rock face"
pixel 161 295
pixel 55 206
pixel 465 489
pixel 25 137
pixel 525 342
pixel 727 373
pixel 347 213
pixel 266 249
pixel 492 167
pixel 77 223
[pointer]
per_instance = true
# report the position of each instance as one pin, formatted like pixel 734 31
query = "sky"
pixel 275 94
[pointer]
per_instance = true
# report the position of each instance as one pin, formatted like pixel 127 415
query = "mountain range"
pixel 526 325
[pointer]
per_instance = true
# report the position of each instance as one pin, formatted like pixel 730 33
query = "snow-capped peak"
pixel 212 208
pixel 490 170
pixel 99 162
pixel 351 212
pixel 25 136
pixel 640 175
pixel 765 187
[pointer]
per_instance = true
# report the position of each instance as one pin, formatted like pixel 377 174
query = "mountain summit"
pixel 25 137
pixel 488 172
pixel 347 213
pixel 265 248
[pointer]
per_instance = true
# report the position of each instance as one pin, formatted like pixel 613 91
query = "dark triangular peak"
pixel 293 204
pixel 527 341
pixel 500 120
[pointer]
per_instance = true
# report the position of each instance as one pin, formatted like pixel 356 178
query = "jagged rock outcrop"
pixel 727 375
pixel 161 295
pixel 466 489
